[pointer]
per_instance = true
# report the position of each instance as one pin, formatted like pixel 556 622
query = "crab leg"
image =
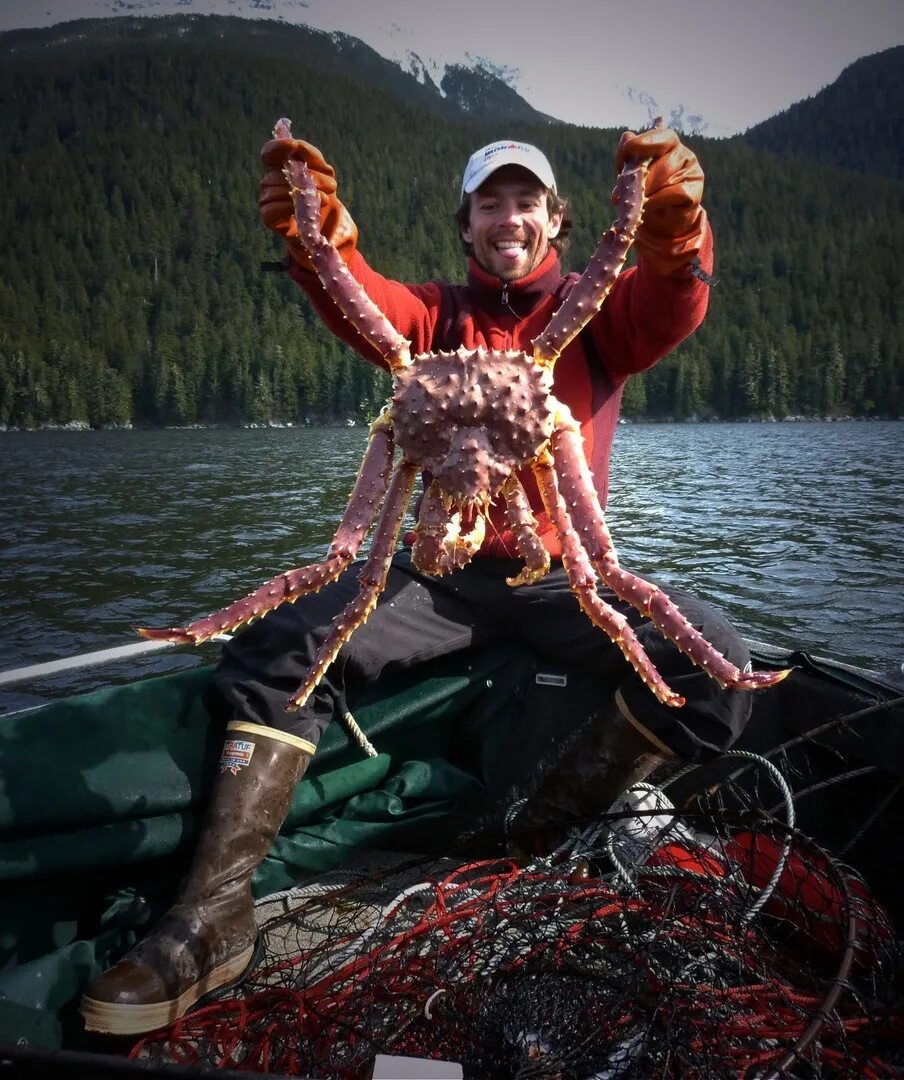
pixel 372 577
pixel 346 293
pixel 651 601
pixel 439 546
pixel 524 526
pixel 368 492
pixel 583 583
pixel 587 296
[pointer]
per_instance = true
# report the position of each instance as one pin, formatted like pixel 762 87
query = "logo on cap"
pixel 484 162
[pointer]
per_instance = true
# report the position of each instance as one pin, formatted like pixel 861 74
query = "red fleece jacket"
pixel 645 316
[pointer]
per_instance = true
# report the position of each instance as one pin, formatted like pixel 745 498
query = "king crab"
pixel 470 419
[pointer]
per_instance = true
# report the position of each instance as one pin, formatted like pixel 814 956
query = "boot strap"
pixel 640 728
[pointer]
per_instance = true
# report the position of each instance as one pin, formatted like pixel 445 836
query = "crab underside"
pixel 470 420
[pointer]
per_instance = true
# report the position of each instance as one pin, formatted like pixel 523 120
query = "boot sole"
pixel 113 1019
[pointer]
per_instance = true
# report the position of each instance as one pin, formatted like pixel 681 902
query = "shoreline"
pixel 276 425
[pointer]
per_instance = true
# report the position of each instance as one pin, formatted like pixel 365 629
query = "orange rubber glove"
pixel 278 212
pixel 674 225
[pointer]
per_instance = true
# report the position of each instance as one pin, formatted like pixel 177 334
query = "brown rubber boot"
pixel 610 756
pixel 206 939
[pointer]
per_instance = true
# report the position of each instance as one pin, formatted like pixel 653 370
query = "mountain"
pixel 856 123
pixel 130 283
pixel 462 91
pixel 480 93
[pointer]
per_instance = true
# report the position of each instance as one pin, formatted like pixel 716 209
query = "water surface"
pixel 795 530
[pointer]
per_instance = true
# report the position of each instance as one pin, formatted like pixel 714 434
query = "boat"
pixel 102 792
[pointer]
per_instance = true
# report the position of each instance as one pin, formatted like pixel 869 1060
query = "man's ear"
pixel 555 224
pixel 465 233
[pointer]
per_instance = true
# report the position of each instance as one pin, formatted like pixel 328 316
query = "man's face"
pixel 509 226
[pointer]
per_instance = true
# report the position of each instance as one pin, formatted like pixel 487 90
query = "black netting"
pixel 714 941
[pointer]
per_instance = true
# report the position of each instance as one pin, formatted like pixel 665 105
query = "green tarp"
pixel 100 798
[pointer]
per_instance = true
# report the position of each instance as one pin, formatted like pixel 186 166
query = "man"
pixel 511 221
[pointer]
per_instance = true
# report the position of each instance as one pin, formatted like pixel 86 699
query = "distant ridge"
pixel 855 123
pixel 472 93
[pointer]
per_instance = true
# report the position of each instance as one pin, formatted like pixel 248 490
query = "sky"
pixel 718 66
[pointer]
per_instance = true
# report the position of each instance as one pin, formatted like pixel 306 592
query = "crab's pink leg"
pixel 587 296
pixel 368 492
pixel 524 526
pixel 439 545
pixel 372 578
pixel 580 496
pixel 583 582
pixel 349 297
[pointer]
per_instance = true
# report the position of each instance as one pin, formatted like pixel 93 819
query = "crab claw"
pixel 178 634
pixel 759 680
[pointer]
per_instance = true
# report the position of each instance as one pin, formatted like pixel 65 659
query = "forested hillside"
pixel 856 123
pixel 130 288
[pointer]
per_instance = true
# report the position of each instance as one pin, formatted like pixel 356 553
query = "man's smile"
pixel 510 249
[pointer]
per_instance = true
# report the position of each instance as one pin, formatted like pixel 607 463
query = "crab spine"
pixel 372 578
pixel 369 490
pixel 347 294
pixel 524 527
pixel 583 583
pixel 587 296
pixel 648 599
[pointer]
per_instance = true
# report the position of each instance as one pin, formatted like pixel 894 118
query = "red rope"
pixel 443 947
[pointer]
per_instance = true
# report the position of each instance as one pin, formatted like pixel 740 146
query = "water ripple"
pixel 795 530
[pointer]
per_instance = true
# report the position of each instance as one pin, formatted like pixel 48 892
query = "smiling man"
pixel 512 223
pixel 510 211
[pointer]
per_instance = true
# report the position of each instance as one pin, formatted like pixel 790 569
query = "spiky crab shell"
pixel 472 417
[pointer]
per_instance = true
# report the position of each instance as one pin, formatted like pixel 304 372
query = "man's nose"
pixel 511 213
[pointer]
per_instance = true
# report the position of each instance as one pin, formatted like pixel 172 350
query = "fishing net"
pixel 718 941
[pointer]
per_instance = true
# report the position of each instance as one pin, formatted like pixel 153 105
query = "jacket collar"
pixel 514 297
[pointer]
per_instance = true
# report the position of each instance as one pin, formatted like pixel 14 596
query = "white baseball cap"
pixel 484 162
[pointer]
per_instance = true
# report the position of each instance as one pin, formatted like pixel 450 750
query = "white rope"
pixel 511 812
pixel 302 892
pixel 358 735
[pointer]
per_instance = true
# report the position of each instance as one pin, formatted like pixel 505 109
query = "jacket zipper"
pixel 506 304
